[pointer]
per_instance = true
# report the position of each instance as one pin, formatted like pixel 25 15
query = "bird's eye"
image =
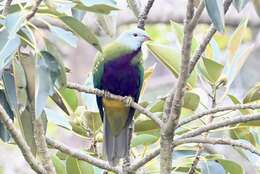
pixel 135 35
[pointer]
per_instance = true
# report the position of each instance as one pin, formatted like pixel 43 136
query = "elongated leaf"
pixel 59 166
pixel 257 6
pixel 57 118
pixel 4 133
pixel 236 101
pixel 243 133
pixel 240 4
pixel 82 30
pixel 215 11
pixel 13 22
pixel 75 166
pixel 64 35
pixel 78 14
pixel 7 48
pixel 253 94
pixel 69 97
pixel 143 139
pixel 146 126
pixel 231 167
pixel 92 120
pixel 98 6
pixel 191 100
pixel 172 60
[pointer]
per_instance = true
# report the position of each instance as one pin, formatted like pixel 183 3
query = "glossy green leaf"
pixel 231 167
pixel 57 118
pixel 215 11
pixel 172 60
pixel 98 6
pixel 211 69
pixel 143 139
pixel 59 166
pixel 191 100
pixel 82 30
pixel 8 46
pixel 66 36
pixel 145 126
pixel 75 166
pixel 242 133
pixel 253 94
pixel 158 106
pixel 240 4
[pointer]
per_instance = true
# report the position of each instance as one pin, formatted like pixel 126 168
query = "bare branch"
pixel 81 156
pixel 25 149
pixel 216 125
pixel 6 7
pixel 106 94
pixel 206 41
pixel 42 149
pixel 34 9
pixel 234 143
pixel 143 15
pixel 216 110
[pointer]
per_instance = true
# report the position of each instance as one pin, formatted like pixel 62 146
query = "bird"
pixel 119 70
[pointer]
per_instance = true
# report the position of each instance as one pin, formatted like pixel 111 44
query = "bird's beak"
pixel 147 38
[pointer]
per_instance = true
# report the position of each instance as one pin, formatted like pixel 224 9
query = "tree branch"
pixel 24 148
pixel 143 15
pixel 109 95
pixel 42 149
pixel 81 156
pixel 34 9
pixel 212 126
pixel 206 41
pixel 216 110
pixel 6 7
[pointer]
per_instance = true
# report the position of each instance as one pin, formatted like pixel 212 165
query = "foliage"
pixel 33 85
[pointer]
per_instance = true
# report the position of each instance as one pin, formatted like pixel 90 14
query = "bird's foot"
pixel 128 100
pixel 106 94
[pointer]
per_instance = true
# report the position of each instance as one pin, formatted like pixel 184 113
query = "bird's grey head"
pixel 133 38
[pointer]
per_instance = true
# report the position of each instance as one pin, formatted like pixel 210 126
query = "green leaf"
pixel 64 35
pixel 242 133
pixel 211 69
pixel 240 4
pixel 191 100
pixel 69 97
pixel 14 21
pixel 235 41
pixel 215 11
pixel 158 106
pixel 50 75
pixel 20 85
pixel 253 94
pixel 8 46
pixel 92 120
pixel 231 167
pixel 98 6
pixel 143 139
pixel 172 60
pixel 4 133
pixel 75 166
pixel 78 14
pixel 236 101
pixel 82 30
pixel 59 166
pixel 57 118
pixel 145 125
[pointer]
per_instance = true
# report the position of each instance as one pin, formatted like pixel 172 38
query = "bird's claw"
pixel 128 100
pixel 106 94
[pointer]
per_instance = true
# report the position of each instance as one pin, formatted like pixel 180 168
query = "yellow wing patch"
pixel 113 103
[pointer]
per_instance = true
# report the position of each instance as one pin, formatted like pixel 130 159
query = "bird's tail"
pixel 115 147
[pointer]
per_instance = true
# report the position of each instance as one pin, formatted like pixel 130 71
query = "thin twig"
pixel 42 149
pixel 143 15
pixel 216 110
pixel 81 156
pixel 24 148
pixel 6 7
pixel 206 41
pixel 106 94
pixel 34 9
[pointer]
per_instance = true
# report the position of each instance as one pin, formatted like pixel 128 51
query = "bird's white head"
pixel 133 38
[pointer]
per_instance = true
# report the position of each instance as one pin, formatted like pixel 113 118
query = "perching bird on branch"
pixel 119 70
